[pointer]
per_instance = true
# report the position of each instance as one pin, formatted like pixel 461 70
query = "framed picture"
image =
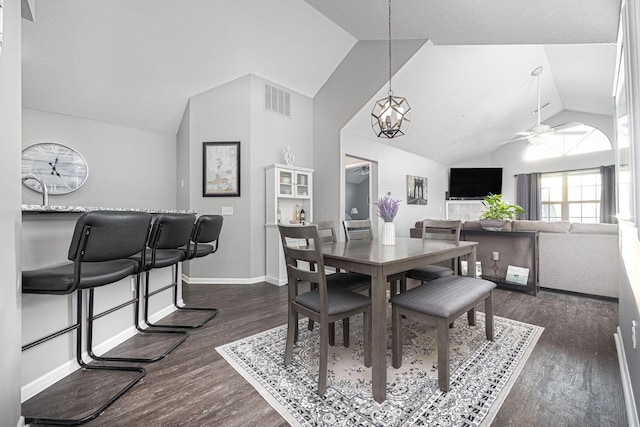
pixel 221 169
pixel 416 190
pixel 517 275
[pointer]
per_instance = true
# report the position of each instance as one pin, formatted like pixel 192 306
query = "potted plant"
pixel 497 212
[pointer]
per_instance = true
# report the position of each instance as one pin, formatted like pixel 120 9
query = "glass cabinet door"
pixel 286 182
pixel 303 182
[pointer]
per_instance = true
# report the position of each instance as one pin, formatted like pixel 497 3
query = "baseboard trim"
pixel 629 400
pixel 47 380
pixel 223 281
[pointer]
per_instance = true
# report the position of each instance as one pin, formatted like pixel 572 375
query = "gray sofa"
pixel 572 257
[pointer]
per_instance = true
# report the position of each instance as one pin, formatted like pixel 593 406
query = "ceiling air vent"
pixel 277 100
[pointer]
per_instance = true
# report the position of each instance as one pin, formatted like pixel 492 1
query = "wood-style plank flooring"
pixel 571 379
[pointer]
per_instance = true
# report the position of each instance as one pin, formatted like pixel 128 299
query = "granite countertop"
pixel 80 209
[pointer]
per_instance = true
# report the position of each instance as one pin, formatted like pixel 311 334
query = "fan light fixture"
pixel 390 115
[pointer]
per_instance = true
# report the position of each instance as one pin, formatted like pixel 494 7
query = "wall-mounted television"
pixel 474 183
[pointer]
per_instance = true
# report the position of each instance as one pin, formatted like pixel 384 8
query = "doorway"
pixel 361 187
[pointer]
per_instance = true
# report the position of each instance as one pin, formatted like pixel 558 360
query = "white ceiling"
pixel 137 62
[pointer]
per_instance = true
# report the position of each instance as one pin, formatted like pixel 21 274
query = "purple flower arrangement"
pixel 388 208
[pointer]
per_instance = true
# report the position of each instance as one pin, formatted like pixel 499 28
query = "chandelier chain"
pixel 390 91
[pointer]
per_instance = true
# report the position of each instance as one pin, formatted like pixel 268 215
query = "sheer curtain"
pixel 608 196
pixel 528 195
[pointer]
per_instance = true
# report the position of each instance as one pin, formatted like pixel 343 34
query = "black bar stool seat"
pixel 58 280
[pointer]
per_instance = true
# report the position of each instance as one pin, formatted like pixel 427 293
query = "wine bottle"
pixel 297 214
pixel 302 215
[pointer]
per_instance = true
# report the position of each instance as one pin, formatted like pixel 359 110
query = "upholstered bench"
pixel 442 300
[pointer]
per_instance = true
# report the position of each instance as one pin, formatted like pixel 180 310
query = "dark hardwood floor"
pixel 571 379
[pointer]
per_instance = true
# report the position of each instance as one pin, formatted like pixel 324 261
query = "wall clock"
pixel 62 168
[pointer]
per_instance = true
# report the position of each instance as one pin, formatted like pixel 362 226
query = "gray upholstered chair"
pixel 358 229
pixel 361 229
pixel 324 304
pixel 345 280
pixel 444 299
pixel 436 229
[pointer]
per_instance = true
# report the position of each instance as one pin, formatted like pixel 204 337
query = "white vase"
pixel 389 234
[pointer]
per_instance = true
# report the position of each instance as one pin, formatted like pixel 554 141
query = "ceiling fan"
pixel 539 133
pixel 363 169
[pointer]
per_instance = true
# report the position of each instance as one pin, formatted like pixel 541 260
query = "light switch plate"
pixel 227 210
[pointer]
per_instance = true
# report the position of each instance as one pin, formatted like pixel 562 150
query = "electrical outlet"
pixel 634 341
pixel 227 210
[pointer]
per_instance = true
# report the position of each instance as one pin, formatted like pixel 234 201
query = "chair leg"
pixel 443 354
pixel 182 335
pixel 403 284
pixel 471 317
pixel 345 332
pixel 141 372
pixel 292 329
pixel 396 336
pixel 324 355
pixel 488 310
pixel 367 337
pixel 174 285
pixel 332 334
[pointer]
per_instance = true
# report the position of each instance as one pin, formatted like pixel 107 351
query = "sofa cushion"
pixel 544 226
pixel 593 228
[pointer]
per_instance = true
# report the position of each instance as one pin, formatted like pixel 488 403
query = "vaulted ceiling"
pixel 137 62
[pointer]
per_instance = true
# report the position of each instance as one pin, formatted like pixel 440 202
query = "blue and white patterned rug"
pixel 482 374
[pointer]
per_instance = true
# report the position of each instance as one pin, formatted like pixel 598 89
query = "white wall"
pixel 235 112
pixel 393 167
pixel 128 167
pixel 10 218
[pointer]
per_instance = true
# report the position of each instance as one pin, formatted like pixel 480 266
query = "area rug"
pixel 482 373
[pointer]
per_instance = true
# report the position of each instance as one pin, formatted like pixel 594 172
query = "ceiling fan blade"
pixel 567 125
pixel 520 138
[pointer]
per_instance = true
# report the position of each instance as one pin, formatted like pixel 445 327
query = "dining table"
pixel 380 261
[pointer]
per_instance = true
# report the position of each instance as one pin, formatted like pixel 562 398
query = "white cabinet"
pixel 287 187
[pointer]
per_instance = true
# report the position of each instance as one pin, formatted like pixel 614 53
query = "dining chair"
pixel 324 304
pixel 361 229
pixel 346 280
pixel 437 229
pixel 358 229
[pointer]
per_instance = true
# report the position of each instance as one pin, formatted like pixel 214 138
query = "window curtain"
pixel 608 196
pixel 528 195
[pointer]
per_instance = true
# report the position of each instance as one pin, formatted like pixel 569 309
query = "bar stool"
pixel 100 247
pixel 170 243
pixel 204 241
pixel 144 261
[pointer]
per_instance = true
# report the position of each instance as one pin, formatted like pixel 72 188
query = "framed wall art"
pixel 416 190
pixel 221 169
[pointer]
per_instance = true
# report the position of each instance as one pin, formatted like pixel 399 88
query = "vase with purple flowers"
pixel 387 210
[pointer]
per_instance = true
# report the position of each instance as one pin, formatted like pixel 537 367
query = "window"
pixel 571 196
pixel 577 139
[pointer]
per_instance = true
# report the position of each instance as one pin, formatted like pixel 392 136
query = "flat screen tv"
pixel 474 183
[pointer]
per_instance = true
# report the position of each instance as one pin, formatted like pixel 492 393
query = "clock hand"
pixel 53 168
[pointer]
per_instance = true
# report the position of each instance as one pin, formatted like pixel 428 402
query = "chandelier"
pixel 390 115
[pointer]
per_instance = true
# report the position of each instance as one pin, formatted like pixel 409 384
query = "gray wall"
pixel 10 216
pixel 128 167
pixel 339 99
pixel 234 112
